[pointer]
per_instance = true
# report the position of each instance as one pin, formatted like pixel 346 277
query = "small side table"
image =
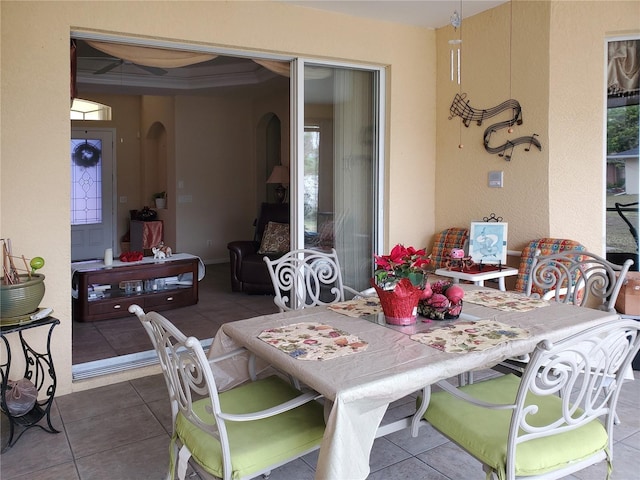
pixel 39 367
pixel 478 278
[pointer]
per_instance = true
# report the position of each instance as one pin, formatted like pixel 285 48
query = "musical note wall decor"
pixel 460 108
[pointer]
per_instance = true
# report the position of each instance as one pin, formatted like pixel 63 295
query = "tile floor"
pixel 121 431
pixel 217 304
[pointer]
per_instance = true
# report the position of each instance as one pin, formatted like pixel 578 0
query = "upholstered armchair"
pixel 249 273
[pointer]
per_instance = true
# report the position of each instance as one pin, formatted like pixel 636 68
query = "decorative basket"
pixel 452 312
pixel 400 305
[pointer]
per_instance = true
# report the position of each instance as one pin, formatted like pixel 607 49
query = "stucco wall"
pixel 35 104
pixel 500 61
pixel 557 73
pixel 555 68
pixel 577 109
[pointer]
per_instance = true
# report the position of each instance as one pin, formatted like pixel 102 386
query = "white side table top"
pixel 478 278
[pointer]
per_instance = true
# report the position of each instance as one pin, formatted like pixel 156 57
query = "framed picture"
pixel 488 242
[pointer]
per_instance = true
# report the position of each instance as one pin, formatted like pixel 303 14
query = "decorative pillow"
pixel 275 238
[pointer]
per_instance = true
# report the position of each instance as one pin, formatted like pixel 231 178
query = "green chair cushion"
pixel 257 444
pixel 483 432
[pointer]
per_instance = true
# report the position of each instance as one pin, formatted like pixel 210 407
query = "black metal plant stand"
pixel 39 370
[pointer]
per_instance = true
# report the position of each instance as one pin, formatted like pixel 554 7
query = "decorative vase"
pixel 400 305
pixel 450 312
pixel 22 298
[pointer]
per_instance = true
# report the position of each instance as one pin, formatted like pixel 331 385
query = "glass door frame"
pixel 607 41
pixel 297 148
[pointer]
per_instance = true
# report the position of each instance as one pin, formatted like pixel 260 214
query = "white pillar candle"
pixel 108 256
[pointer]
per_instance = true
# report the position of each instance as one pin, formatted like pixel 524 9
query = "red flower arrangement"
pixel 402 262
pixel 399 279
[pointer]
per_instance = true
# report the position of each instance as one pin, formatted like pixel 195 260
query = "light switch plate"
pixel 495 179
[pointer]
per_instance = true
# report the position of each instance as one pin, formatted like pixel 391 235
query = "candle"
pixel 108 256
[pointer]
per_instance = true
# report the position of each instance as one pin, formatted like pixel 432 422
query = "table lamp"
pixel 279 175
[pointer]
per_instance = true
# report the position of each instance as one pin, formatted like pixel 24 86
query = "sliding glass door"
pixel 338 174
pixel 621 162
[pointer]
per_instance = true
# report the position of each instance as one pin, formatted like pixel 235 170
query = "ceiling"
pixel 421 13
pixel 101 73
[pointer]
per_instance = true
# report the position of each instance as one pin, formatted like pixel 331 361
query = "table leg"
pixel 479 283
pixel 501 284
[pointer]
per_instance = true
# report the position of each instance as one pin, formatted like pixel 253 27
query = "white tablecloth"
pixel 363 384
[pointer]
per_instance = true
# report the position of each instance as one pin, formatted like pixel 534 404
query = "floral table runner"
pixel 505 301
pixel 313 341
pixel 358 307
pixel 462 337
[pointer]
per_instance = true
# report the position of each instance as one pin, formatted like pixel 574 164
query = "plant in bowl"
pixel 398 281
pixel 160 199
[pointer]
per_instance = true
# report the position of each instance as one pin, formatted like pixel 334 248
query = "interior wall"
pixel 577 113
pixel 33 102
pixel 556 70
pixel 215 161
pixel 491 73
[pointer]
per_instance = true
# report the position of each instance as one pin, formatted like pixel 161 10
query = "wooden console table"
pixel 101 292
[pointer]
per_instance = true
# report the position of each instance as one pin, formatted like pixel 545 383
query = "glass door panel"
pixel 623 132
pixel 340 166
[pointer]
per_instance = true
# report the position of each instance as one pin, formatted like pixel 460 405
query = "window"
pixel 86 181
pixel 623 129
pixel 311 165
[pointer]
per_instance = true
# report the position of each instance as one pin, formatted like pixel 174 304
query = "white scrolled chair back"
pixel 184 368
pixel 578 277
pixel 304 278
pixel 585 370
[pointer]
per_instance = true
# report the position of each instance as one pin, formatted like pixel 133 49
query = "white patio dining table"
pixel 361 385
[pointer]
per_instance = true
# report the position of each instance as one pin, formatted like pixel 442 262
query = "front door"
pixel 92 193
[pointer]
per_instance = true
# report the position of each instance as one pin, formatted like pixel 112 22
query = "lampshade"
pixel 280 174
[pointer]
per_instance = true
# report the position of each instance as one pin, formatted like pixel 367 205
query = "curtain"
pixel 354 174
pixel 152 57
pixel 281 68
pixel 284 68
pixel 623 67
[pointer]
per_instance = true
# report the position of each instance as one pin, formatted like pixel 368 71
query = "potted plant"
pixel 161 199
pixel 399 280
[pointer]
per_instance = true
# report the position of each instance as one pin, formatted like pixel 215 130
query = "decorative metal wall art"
pixel 460 108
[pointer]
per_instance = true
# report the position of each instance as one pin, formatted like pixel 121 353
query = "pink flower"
pixel 440 286
pixel 402 262
pixel 310 341
pixel 455 293
pixel 438 300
